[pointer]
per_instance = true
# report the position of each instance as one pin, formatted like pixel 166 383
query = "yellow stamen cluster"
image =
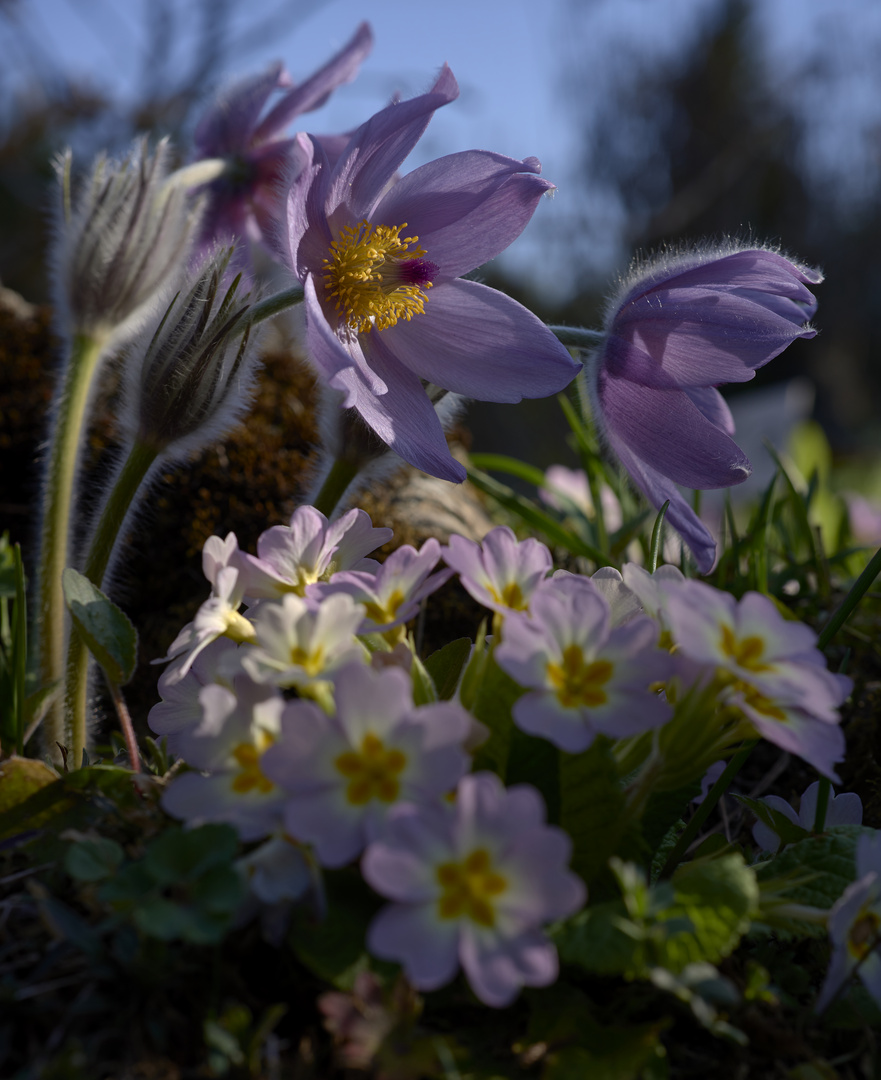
pixel 310 660
pixel 511 596
pixel 469 888
pixel 864 934
pixel 364 278
pixel 251 775
pixel 745 652
pixel 373 771
pixel 578 681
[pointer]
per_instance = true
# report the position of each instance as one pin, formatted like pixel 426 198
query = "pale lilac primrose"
pixel 301 643
pixel 310 549
pixel 342 774
pixel 844 809
pixel 501 572
pixel 584 677
pixel 381 261
pixel 769 668
pixel 237 727
pixel 855 927
pixel 471 886
pixel 277 870
pixel 679 327
pixel 392 595
pixel 244 201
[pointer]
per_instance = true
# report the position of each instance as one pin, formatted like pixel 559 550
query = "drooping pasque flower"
pixel 243 202
pixel 381 261
pixel 678 328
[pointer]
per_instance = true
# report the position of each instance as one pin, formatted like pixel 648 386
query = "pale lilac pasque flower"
pixel 585 677
pixel 244 202
pixel 679 327
pixel 501 572
pixel 472 885
pixel 342 774
pixel 855 926
pixel 844 809
pixel 381 260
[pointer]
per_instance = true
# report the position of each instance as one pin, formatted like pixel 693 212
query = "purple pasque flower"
pixel 855 926
pixel 472 885
pixel 381 261
pixel 678 328
pixel 585 677
pixel 245 200
pixel 310 549
pixel 501 572
pixel 391 596
pixel 238 725
pixel 769 668
pixel 303 642
pixel 342 774
pixel 844 809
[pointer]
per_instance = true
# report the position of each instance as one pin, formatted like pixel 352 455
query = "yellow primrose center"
pixel 864 934
pixel 376 277
pixel 578 681
pixel 469 888
pixel 745 652
pixel 373 771
pixel 511 596
pixel 387 612
pixel 310 661
pixel 250 776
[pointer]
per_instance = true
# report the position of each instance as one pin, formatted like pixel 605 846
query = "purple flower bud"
pixel 680 327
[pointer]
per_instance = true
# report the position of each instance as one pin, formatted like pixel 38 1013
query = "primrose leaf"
pixel 105 628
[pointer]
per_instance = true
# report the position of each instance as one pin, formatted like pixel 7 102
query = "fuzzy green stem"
pixel 132 475
pixel 342 473
pixel 707 806
pixel 64 443
pixel 577 337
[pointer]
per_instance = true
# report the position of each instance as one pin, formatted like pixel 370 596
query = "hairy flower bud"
pixel 197 366
pixel 126 233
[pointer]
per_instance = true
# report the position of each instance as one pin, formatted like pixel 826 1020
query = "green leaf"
pixel 93 859
pixel 105 629
pixel 828 860
pixel 492 705
pixel 601 939
pixel 591 806
pixel 446 665
pixel 20 778
pixel 182 855
pixel 424 691
pixel 776 820
pixel 533 760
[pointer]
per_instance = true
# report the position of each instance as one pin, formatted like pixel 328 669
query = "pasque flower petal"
pixel 476 341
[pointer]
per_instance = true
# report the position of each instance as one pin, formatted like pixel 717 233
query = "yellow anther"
pixel 469 888
pixel 745 652
pixel 373 771
pixel 578 681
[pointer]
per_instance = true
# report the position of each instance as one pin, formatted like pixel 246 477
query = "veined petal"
pixel 340 69
pixel 465 208
pixel 334 356
pixel 713 406
pixel 659 489
pixel 304 206
pixel 402 416
pixel 379 146
pixel 476 341
pixel 666 428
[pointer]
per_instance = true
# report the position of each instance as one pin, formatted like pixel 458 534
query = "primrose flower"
pixel 310 549
pixel 844 809
pixel 680 327
pixel 472 885
pixel 277 870
pixel 180 709
pixel 770 667
pixel 243 201
pixel 391 596
pixel 501 572
pixel 237 727
pixel 343 773
pixel 300 642
pixel 381 259
pixel 585 678
pixel 855 926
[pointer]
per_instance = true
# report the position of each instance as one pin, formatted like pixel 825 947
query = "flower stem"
pixel 706 807
pixel 577 337
pixel 64 442
pixel 857 591
pixel 136 467
pixel 342 473
pixel 822 805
